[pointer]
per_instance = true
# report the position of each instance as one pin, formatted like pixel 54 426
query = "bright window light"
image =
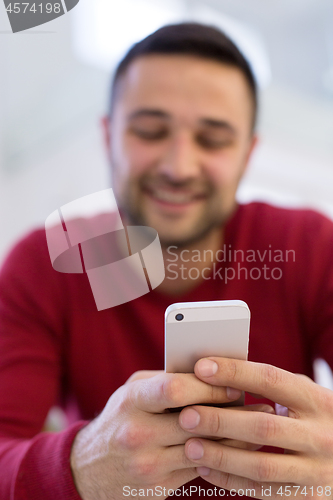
pixel 247 39
pixel 105 29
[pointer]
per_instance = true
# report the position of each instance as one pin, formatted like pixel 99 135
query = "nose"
pixel 181 158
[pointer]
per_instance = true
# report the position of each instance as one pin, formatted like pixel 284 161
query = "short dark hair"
pixel 193 39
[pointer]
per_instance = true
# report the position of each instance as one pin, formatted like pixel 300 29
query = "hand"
pixel 135 441
pixel 306 467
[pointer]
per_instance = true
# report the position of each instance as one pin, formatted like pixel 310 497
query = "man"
pixel 179 136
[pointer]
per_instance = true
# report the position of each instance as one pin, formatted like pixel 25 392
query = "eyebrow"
pixel 218 124
pixel 157 113
pixel 148 112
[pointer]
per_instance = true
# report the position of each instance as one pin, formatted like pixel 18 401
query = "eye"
pixel 149 134
pixel 211 142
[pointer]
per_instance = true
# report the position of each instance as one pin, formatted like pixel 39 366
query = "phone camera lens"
pixel 179 317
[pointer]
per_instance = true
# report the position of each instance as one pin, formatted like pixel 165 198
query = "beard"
pixel 211 218
pixel 203 229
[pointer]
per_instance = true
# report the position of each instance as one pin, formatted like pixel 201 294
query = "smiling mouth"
pixel 173 196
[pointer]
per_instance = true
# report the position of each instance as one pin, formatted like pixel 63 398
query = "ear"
pixel 106 133
pixel 253 144
pixel 254 140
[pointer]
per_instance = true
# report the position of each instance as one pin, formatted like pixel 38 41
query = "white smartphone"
pixel 195 330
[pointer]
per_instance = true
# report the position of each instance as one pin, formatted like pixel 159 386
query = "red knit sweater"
pixel 55 347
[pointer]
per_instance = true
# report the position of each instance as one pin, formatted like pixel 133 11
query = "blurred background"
pixel 54 89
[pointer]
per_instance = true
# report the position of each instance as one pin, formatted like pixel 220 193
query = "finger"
pixel 276 384
pixel 265 408
pixel 173 434
pixel 170 460
pixel 178 478
pixel 174 390
pixel 243 444
pixel 254 465
pixel 164 429
pixel 261 407
pixel 241 485
pixel 141 374
pixel 256 396
pixel 240 444
pixel 254 489
pixel 304 376
pixel 255 427
pixel 169 466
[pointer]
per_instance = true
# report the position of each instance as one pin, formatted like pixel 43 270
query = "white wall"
pixel 50 105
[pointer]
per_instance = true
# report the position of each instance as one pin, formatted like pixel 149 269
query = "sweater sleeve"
pixel 33 464
pixel 38 468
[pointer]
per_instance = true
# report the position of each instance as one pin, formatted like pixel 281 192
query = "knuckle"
pixel 231 370
pixel 186 461
pixel 270 376
pixel 173 390
pixel 226 480
pixel 217 394
pixel 265 470
pixel 254 486
pixel 324 399
pixel 323 474
pixel 231 482
pixel 266 427
pixel 142 467
pixel 215 423
pixel 321 441
pixel 133 437
pixel 220 459
pixel 326 443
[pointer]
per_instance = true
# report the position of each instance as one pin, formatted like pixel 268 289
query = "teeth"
pixel 172 197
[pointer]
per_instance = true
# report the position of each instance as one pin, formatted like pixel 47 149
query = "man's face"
pixel 180 138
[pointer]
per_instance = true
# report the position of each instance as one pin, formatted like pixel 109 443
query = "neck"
pixel 186 267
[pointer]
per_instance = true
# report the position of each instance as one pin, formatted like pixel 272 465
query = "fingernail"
pixel 203 471
pixel 189 418
pixel 195 450
pixel 233 393
pixel 207 367
pixel 281 410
